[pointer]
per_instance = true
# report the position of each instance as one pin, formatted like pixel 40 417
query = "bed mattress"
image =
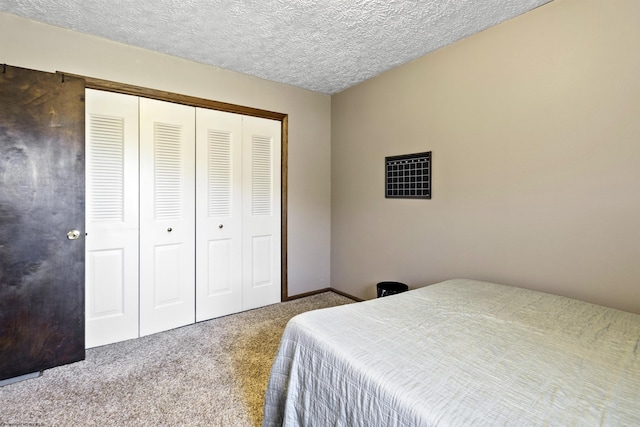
pixel 460 352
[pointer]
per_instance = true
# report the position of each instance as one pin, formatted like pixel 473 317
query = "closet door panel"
pixel 261 212
pixel 167 216
pixel 218 213
pixel 111 275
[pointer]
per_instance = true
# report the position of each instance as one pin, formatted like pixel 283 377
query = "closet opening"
pixel 232 159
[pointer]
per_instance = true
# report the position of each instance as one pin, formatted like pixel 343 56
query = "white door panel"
pixel 166 263
pixel 218 213
pixel 167 215
pixel 111 274
pixel 261 212
pixel 262 255
pixel 219 257
pixel 108 298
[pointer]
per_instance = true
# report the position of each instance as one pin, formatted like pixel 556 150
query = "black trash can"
pixel 390 288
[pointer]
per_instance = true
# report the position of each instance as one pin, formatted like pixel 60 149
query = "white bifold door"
pixel 183 215
pixel 167 216
pixel 111 225
pixel 238 237
pixel 261 192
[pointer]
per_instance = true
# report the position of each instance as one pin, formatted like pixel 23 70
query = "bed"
pixel 459 352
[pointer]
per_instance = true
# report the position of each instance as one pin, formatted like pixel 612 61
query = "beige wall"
pixel 42 47
pixel 534 127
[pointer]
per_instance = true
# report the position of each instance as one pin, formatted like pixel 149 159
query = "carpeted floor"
pixel 213 373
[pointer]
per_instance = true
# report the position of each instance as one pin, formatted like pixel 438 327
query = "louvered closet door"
pixel 167 216
pixel 261 207
pixel 111 217
pixel 218 213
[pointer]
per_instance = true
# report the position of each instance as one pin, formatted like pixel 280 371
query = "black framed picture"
pixel 408 176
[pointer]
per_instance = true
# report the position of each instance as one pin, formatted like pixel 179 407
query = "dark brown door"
pixel 41 200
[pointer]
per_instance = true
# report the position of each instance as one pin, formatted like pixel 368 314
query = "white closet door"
pixel 167 216
pixel 261 208
pixel 111 273
pixel 218 213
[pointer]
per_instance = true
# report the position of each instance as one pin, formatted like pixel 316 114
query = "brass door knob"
pixel 73 235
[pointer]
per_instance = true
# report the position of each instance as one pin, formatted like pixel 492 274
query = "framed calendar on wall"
pixel 408 176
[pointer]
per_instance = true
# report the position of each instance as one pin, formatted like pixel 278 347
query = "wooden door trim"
pixel 110 86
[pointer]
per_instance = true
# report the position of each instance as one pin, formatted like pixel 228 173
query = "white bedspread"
pixel 458 353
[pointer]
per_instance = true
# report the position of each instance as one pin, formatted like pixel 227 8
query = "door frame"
pixel 110 86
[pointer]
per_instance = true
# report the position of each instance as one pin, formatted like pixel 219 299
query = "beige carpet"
pixel 213 373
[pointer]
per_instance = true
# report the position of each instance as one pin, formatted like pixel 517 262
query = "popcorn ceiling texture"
pixel 324 46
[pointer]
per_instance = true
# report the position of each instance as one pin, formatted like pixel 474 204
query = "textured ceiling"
pixel 320 45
